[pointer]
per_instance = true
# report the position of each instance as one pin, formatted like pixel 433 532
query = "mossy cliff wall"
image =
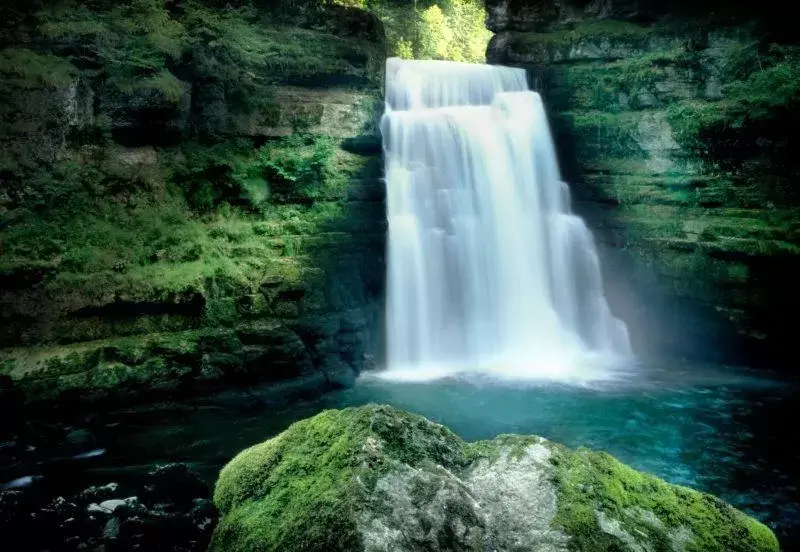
pixel 674 123
pixel 190 196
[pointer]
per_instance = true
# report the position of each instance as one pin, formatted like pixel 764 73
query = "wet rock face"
pixel 171 512
pixel 673 139
pixel 290 291
pixel 140 116
pixel 376 478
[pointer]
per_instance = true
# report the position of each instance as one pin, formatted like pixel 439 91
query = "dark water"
pixel 729 432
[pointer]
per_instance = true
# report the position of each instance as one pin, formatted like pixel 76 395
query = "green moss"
pixel 308 487
pixel 300 168
pixel 106 367
pixel 618 85
pixel 163 82
pixel 244 50
pixel 767 92
pixel 589 480
pixel 601 133
pixel 308 472
pixel 131 41
pixel 6 367
pixel 27 69
pixel 515 445
pixel 149 245
pixel 759 103
pixel 609 28
pixel 629 189
pixel 301 489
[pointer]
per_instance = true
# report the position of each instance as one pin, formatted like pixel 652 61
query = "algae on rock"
pixel 377 478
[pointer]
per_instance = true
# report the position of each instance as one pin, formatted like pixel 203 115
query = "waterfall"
pixel 488 269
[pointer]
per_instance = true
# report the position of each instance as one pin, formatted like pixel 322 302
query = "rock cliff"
pixel 190 196
pixel 673 122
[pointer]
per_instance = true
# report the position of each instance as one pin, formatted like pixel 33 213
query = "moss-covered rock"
pixel 377 478
pixel 316 353
pixel 183 168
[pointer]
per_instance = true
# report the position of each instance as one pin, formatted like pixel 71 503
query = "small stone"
pixel 61 507
pixel 95 508
pixel 98 494
pixel 111 506
pixel 111 530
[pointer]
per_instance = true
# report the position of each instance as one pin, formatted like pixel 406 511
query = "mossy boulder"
pixel 377 478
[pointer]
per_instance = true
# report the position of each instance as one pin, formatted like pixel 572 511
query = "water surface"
pixel 725 431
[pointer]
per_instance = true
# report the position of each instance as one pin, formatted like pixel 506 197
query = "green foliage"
pixel 361 4
pixel 759 88
pixel 301 489
pixel 27 69
pixel 620 31
pixel 739 60
pixel 603 133
pixel 93 223
pixel 216 173
pixel 227 46
pixel 101 227
pixel 236 42
pixel 134 46
pixel 768 92
pixel 607 28
pixel 587 480
pixel 619 85
pixel 162 82
pixel 445 29
pixel 435 35
pixel 751 126
pixel 404 49
pixel 129 41
pixel 298 168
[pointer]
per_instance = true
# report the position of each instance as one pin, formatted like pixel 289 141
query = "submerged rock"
pixel 377 478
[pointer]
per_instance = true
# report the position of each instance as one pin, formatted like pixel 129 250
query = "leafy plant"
pixel 22 67
pixel 444 29
pixel 130 43
pixel 297 168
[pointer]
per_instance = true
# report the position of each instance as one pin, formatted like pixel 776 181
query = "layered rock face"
pixel 191 197
pixel 673 122
pixel 376 478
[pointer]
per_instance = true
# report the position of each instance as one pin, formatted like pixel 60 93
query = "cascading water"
pixel 488 270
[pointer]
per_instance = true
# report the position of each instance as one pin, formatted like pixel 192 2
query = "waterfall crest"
pixel 488 269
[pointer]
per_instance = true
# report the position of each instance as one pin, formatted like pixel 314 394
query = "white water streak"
pixel 488 268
